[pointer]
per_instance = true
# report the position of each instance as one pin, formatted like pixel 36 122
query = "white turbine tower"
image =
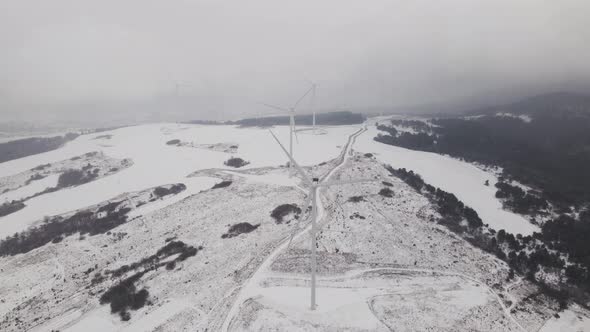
pixel 312 104
pixel 291 113
pixel 314 185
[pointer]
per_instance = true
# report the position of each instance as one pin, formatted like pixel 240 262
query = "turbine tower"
pixel 291 114
pixel 314 185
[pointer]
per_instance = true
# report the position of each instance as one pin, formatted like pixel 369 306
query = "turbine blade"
pixel 295 131
pixel 297 167
pixel 273 106
pixel 302 97
pixel 341 182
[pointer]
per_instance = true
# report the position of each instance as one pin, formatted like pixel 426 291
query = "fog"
pixel 180 59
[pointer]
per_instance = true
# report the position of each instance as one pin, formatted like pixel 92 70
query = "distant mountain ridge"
pixel 550 104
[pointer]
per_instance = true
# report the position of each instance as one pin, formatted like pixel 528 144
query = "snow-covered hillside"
pixel 156 163
pixel 384 261
pixel 463 179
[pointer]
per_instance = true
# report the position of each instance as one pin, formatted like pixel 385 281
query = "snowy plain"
pixel 460 178
pixel 156 163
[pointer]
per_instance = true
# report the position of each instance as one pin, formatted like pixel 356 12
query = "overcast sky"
pixel 82 56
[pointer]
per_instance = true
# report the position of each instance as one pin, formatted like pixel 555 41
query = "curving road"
pixel 249 288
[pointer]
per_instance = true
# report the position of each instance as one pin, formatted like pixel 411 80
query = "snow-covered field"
pixel 156 163
pixel 463 179
pixel 383 263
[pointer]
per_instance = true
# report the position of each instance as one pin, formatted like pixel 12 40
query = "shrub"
pixel 238 229
pixel 222 184
pixel 172 190
pixel 281 211
pixel 356 199
pixel 124 296
pixel 8 208
pixel 74 177
pixel 173 142
pixel 236 162
pixel 386 192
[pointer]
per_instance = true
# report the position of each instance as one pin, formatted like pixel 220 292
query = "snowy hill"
pixel 177 240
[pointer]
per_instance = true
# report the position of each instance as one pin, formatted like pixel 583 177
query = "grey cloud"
pixel 82 56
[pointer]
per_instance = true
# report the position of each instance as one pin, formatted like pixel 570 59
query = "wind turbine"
pixel 314 185
pixel 291 113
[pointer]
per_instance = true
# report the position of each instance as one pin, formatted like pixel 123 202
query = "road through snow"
pixel 252 286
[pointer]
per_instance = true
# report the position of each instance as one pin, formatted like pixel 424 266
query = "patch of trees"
pixel 283 210
pixel 416 125
pixel 34 177
pixel 172 190
pixel 221 184
pixel 41 167
pixel 549 153
pixel 124 295
pixel 173 142
pixel 386 192
pixel 519 201
pixel 390 130
pixel 56 228
pixel 236 162
pixel 356 199
pixel 564 237
pixel 240 228
pixel 76 177
pixel 156 260
pixel 30 146
pixel 11 207
pixel 421 141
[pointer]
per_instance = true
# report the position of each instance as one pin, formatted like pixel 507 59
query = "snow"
pixel 463 179
pixel 282 179
pixel 97 320
pixel 338 306
pixel 157 317
pixel 568 321
pixel 31 189
pixel 193 186
pixel 523 117
pixel 156 163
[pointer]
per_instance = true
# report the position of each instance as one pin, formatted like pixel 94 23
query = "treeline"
pixel 549 153
pixel 171 190
pixel 417 125
pixel 519 201
pixel 452 210
pixel 239 228
pixel 326 119
pixel 283 210
pixel 56 228
pixel 562 245
pixel 30 146
pixel 236 162
pixel 124 294
pixel 11 207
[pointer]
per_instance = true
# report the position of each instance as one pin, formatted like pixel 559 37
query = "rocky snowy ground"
pixel 385 264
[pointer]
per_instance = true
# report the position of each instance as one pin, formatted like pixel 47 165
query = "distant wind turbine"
pixel 314 184
pixel 291 113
